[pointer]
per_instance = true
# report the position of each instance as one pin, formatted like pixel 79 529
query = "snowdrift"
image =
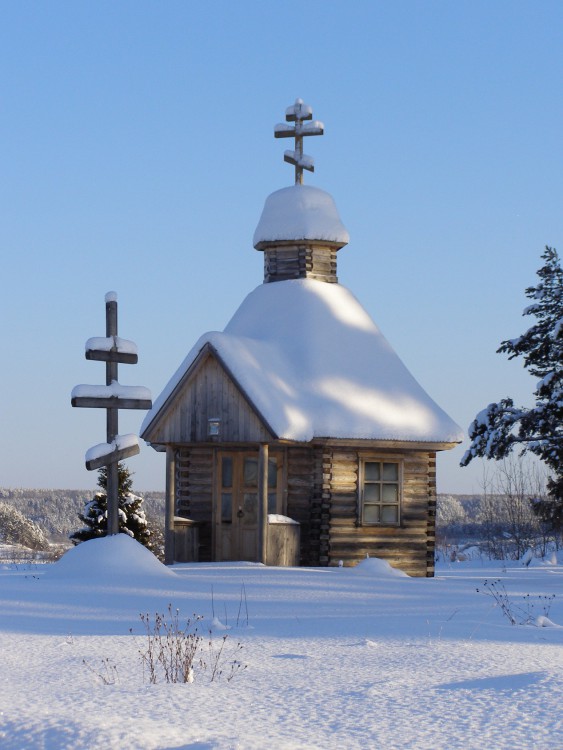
pixel 111 559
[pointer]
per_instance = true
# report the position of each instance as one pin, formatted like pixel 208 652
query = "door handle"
pixel 240 512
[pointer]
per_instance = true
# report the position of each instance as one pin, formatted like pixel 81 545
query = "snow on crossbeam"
pixel 299 111
pixel 103 454
pixel 111 349
pixel 114 396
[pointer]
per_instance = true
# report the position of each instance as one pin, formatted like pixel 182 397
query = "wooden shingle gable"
pixel 207 391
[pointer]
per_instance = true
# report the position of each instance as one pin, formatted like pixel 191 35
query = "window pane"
pixel 390 472
pixel 250 471
pixel 371 493
pixel 226 507
pixel 227 472
pixel 273 473
pixel 272 502
pixel 250 510
pixel 371 513
pixel 389 514
pixel 390 493
pixel 372 471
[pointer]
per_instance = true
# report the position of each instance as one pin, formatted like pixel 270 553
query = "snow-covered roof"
pixel 314 364
pixel 300 212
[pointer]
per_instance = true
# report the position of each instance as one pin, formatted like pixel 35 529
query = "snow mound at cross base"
pixel 110 559
pixel 374 566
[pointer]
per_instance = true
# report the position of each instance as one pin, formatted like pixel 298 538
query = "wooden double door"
pixel 237 503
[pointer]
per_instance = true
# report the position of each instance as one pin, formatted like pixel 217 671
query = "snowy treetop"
pixel 314 364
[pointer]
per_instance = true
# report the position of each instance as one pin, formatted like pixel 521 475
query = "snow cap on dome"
pixel 300 212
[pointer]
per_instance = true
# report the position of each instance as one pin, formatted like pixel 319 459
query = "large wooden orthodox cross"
pixel 112 350
pixel 299 113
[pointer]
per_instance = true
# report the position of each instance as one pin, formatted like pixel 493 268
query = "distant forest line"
pixel 56 511
pixel 501 525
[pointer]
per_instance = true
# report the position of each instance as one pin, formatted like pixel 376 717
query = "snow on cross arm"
pixel 115 390
pixel 129 440
pixel 107 343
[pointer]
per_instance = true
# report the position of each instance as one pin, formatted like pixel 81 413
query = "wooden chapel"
pixel 297 436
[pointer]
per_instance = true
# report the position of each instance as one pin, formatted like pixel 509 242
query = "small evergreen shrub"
pixel 132 519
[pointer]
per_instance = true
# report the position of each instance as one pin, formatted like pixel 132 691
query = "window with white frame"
pixel 380 492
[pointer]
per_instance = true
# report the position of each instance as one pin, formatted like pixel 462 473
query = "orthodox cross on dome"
pixel 298 113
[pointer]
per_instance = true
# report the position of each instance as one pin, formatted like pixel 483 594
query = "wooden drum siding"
pixel 406 546
pixel 282 262
pixel 194 493
pixel 209 393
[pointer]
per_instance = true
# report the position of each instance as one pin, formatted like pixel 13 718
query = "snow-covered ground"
pixel 336 658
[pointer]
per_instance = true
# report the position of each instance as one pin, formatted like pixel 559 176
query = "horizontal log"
pixel 342 488
pixel 345 477
pixel 341 527
pixel 354 536
pixel 300 470
pixel 401 555
pixel 124 358
pixel 344 456
pixel 294 481
pixel 199 466
pixel 114 402
pixel 348 523
pixel 299 466
pixel 196 476
pixel 341 465
pixel 112 458
pixel 345 496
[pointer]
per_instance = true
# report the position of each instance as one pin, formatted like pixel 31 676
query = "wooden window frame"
pixel 361 485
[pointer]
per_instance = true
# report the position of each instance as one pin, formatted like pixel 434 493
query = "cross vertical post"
pixel 112 424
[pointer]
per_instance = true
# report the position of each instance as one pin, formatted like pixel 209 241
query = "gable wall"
pixel 209 394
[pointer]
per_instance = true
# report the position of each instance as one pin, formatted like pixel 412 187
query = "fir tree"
pixel 132 520
pixel 503 426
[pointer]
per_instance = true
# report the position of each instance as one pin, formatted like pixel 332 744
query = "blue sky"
pixel 137 151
